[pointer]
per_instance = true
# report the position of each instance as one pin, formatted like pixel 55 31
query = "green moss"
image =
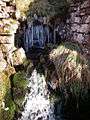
pixel 72 46
pixel 19 89
pixel 5 96
pixel 9 114
pixel 19 80
pixel 19 100
pixel 4 86
pixel 48 7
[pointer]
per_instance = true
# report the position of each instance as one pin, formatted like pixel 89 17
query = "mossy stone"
pixel 20 80
pixel 6 99
pixel 19 89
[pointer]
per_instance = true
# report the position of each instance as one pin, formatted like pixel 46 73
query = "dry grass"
pixel 71 67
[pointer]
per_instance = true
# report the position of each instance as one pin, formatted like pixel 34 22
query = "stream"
pixel 37 105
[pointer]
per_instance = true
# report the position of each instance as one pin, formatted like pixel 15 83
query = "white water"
pixel 37 103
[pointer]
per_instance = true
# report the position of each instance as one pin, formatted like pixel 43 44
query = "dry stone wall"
pixel 8 27
pixel 9 56
pixel 79 21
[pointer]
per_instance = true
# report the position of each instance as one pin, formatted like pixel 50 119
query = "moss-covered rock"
pixel 19 80
pixel 72 72
pixel 19 88
pixel 7 106
pixel 8 112
pixel 4 85
pixel 71 67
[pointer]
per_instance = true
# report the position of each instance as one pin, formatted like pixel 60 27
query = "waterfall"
pixel 37 103
pixel 36 36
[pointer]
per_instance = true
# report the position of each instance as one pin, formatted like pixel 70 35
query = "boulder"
pixel 19 56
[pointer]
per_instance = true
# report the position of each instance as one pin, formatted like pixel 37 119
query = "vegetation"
pixel 42 7
pixel 9 113
pixel 19 80
pixel 19 88
pixel 6 101
pixel 73 78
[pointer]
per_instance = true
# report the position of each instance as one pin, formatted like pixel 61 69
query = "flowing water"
pixel 37 103
pixel 36 36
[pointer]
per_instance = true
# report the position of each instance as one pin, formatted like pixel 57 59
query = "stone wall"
pixel 8 26
pixel 79 21
pixel 8 56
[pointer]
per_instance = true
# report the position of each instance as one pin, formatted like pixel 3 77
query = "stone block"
pixel 75 27
pixel 88 11
pixel 84 28
pixel 77 19
pixel 1 55
pixel 4 15
pixel 3 65
pixel 87 19
pixel 85 4
pixel 10 9
pixel 6 0
pixel 78 37
pixel 6 47
pixel 2 3
pixel 7 39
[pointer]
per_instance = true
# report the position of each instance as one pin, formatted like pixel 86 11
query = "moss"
pixel 19 80
pixel 19 89
pixel 71 67
pixel 20 85
pixel 9 114
pixel 73 76
pixel 72 46
pixel 4 85
pixel 48 8
pixel 5 96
